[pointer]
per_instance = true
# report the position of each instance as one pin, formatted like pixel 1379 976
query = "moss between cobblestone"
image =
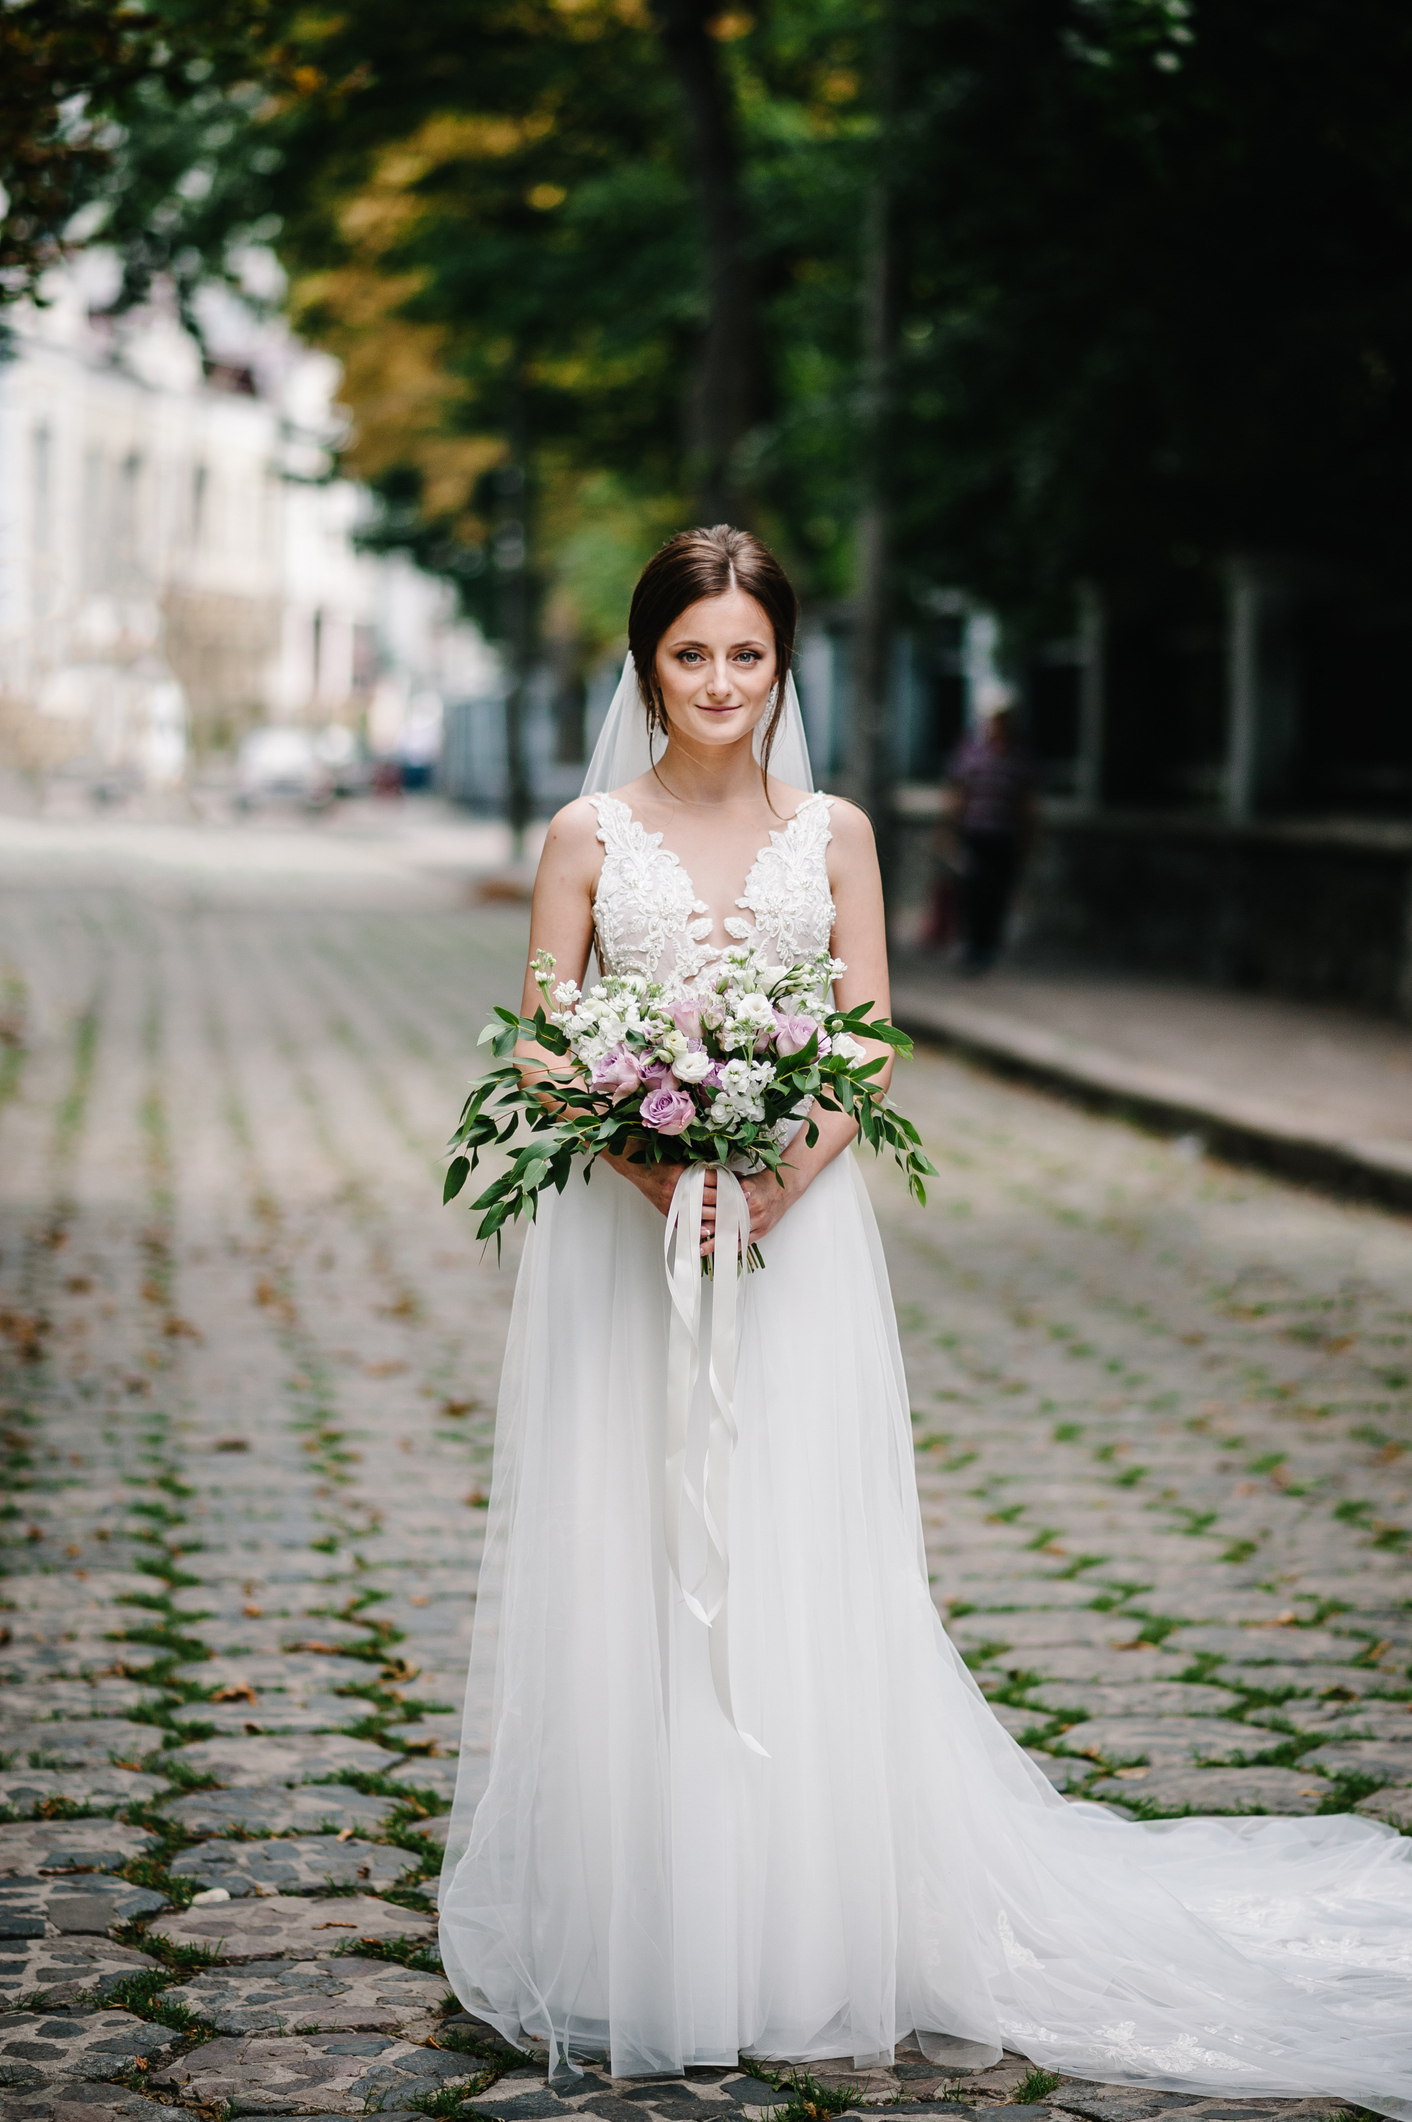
pixel 421 1959
pixel 181 1959
pixel 52 1809
pixel 449 2102
pixel 810 2101
pixel 147 1995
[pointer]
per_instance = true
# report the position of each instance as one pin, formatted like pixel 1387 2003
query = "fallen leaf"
pixel 345 1834
pixel 243 1693
pixel 335 1923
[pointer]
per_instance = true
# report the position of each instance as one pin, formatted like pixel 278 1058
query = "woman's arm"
pixel 561 922
pixel 860 939
pixel 561 918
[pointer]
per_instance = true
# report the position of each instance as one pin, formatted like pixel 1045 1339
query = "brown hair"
pixel 707 563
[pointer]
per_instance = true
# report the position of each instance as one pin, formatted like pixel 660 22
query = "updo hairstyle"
pixel 707 563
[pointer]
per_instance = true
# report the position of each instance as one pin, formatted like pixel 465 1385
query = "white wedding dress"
pixel 629 1879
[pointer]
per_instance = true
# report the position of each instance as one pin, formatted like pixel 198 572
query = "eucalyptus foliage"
pixel 567 1121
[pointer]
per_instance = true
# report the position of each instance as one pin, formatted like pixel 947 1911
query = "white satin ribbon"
pixel 711 1500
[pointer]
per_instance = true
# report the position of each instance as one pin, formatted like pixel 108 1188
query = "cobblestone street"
pixel 1163 1414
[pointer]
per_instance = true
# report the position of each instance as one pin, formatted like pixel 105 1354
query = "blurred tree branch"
pixel 69 69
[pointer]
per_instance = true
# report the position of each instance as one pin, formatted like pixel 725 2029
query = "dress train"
pixel 623 1876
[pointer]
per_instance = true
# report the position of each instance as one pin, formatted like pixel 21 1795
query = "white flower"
pixel 756 1009
pixel 691 1067
pixel 672 1043
pixel 847 1047
pixel 735 1076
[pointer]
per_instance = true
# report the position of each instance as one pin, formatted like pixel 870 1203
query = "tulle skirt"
pixel 624 1877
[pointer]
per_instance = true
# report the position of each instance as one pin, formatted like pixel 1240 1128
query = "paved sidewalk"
pixel 1163 1417
pixel 1321 1094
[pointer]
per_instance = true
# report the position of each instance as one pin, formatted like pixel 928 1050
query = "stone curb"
pixel 1240 1129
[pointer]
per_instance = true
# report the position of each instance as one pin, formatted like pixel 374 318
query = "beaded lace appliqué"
pixel 647 918
pixel 787 892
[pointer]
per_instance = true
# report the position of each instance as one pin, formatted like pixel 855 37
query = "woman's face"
pixel 716 665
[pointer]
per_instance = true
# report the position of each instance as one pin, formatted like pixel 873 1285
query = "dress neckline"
pixel 655 839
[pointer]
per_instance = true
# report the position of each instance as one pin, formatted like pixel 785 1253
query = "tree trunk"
pixel 871 751
pixel 515 598
pixel 723 395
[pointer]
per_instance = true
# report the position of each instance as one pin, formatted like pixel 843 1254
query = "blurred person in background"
pixel 988 818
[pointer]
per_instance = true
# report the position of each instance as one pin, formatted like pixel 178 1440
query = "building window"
pixel 95 544
pixel 42 520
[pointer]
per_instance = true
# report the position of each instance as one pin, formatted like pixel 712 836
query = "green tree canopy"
pixel 1148 262
pixel 1157 292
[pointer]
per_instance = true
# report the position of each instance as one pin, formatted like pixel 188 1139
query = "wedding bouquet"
pixel 723 1073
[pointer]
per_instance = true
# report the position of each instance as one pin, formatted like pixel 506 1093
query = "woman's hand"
pixel 658 1183
pixel 765 1198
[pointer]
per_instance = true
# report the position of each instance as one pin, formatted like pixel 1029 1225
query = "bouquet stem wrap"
pixel 711 1500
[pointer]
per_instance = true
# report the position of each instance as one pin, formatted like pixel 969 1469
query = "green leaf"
pixel 457 1173
pixel 496 1191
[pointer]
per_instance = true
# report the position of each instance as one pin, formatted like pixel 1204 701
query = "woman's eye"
pixel 749 655
pixel 688 655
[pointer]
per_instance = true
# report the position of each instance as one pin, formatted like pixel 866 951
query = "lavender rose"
pixel 687 1018
pixel 670 1112
pixel 793 1034
pixel 616 1072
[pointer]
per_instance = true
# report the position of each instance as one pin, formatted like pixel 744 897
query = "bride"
pixel 630 1878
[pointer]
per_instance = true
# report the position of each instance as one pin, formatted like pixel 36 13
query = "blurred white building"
pixel 176 563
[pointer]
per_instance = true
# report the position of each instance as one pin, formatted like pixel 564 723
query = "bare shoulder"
pixel 576 825
pixel 851 827
pixel 571 841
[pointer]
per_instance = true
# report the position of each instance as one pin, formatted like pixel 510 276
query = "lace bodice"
pixel 647 918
